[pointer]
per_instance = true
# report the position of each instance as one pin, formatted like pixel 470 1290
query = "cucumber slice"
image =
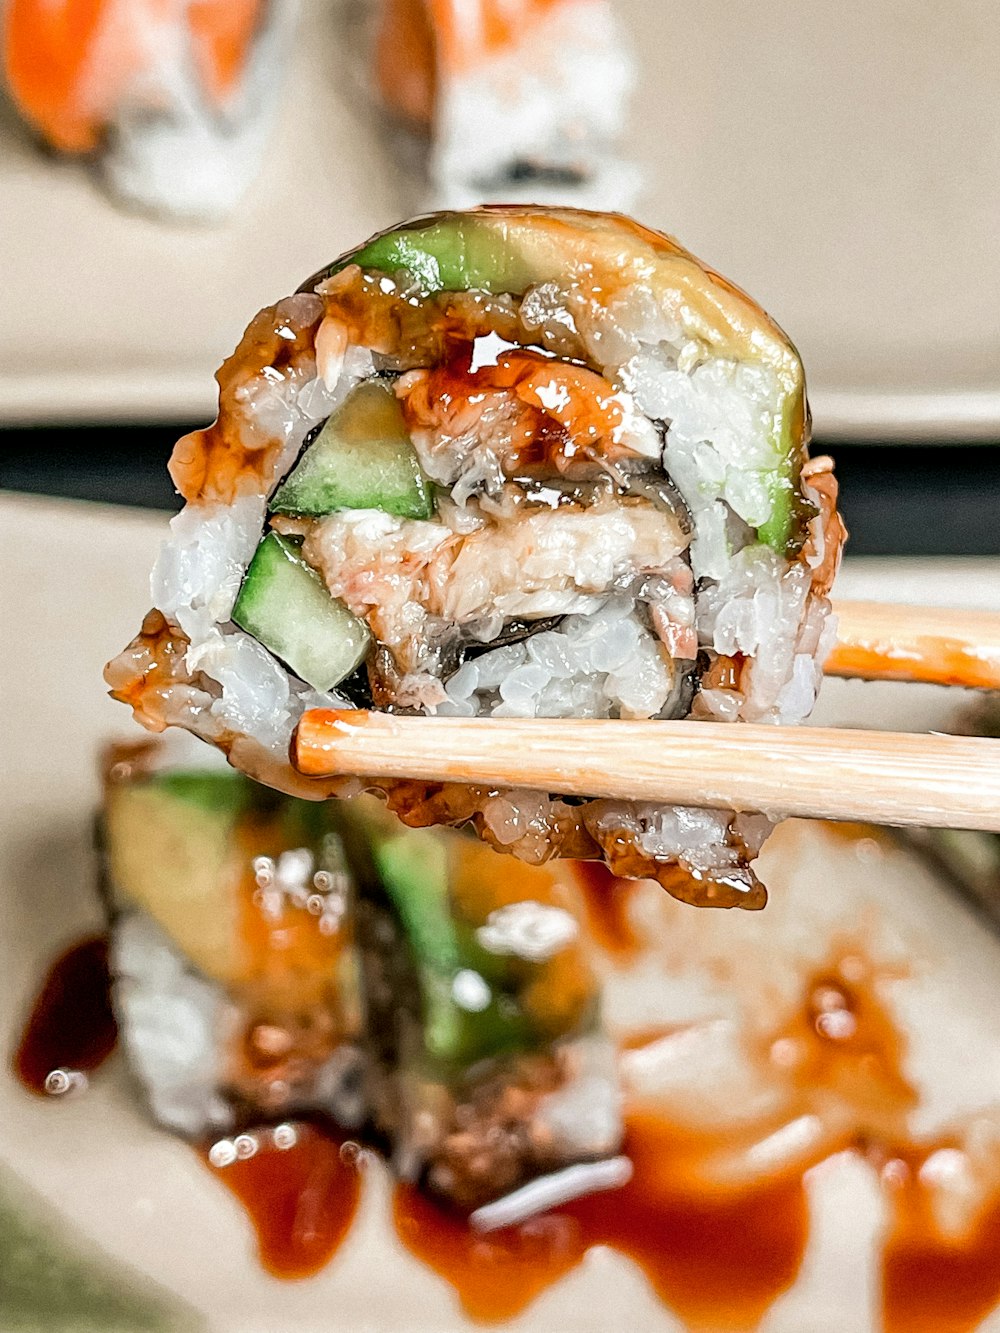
pixel 413 867
pixel 285 606
pixel 361 459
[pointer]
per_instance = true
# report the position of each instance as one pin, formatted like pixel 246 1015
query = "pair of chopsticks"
pixel 895 778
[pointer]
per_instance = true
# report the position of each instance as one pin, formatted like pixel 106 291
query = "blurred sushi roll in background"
pixel 173 100
pixel 274 958
pixel 235 973
pixel 491 1068
pixel 508 100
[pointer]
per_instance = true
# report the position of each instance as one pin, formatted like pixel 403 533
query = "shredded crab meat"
pixel 404 575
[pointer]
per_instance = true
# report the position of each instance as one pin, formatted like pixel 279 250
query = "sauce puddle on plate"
pixel 718 1258
pixel 717 1250
pixel 300 1185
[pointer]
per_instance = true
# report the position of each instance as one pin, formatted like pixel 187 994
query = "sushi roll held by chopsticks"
pixel 506 463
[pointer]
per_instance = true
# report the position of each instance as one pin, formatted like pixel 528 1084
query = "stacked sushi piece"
pixel 500 1072
pixel 232 916
pixel 273 957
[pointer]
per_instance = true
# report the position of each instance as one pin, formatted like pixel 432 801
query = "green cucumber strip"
pixel 413 866
pixel 285 605
pixel 361 459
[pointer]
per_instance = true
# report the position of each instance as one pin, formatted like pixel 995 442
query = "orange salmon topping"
pixel 69 63
pixel 49 51
pixel 221 34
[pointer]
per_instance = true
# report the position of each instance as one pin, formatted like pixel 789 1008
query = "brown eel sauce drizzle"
pixel 715 1257
pixel 300 1189
pixel 71 1029
pixel 717 1253
pixel 606 900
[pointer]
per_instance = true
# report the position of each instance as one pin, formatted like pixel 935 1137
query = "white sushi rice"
pixel 197 577
pixel 535 104
pixel 169 150
pixel 605 664
pixel 173 1025
pixel 179 1030
pixel 700 840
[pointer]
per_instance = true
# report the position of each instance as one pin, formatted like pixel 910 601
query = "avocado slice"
pixel 457 252
pixel 362 458
pixel 285 605
pixel 169 845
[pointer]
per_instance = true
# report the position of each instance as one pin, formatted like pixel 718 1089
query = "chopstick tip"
pixel 315 737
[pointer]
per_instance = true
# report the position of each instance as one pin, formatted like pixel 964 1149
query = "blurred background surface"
pixel 842 164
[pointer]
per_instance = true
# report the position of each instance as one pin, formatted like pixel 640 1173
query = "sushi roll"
pixel 172 100
pixel 512 100
pixel 512 462
pixel 273 958
pixel 235 976
pixel 490 1069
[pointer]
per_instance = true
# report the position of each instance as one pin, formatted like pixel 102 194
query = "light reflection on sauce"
pixel 842 1041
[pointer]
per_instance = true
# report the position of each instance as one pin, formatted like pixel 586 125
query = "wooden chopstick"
pixel 825 773
pixel 942 645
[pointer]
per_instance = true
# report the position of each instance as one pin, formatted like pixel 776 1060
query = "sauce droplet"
pixel 71 1030
pixel 298 1190
pixel 606 900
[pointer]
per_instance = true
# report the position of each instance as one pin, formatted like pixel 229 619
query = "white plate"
pixel 840 162
pixel 145 1215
